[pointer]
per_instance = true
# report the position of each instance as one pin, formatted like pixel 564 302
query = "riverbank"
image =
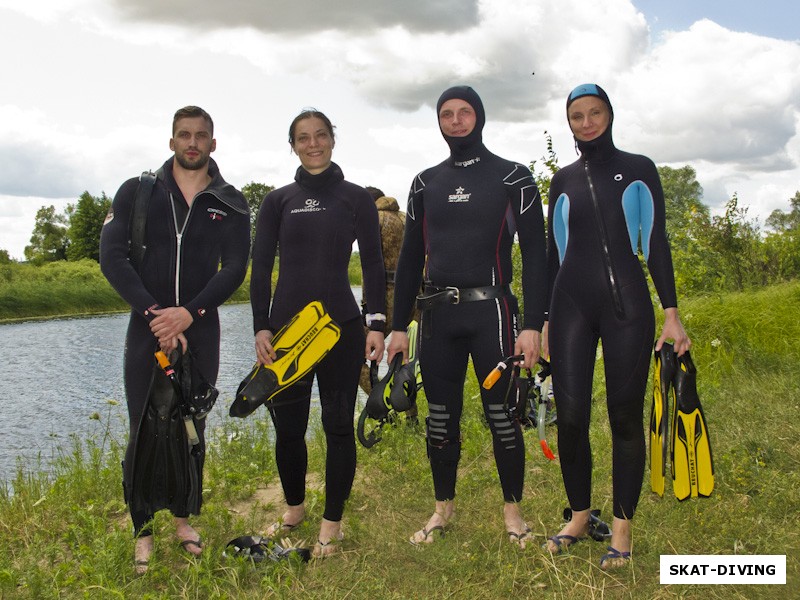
pixel 77 289
pixel 66 535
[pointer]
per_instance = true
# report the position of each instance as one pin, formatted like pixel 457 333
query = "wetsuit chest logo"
pixel 618 177
pixel 311 205
pixel 459 196
pixel 217 214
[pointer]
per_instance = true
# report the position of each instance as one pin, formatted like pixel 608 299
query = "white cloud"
pixel 716 95
pixel 88 98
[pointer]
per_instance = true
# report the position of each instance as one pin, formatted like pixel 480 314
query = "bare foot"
pixel 142 551
pixel 442 515
pixel 619 552
pixel 518 531
pixel 293 517
pixel 189 539
pixel 572 533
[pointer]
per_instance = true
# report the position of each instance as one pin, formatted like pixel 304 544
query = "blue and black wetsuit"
pixel 196 258
pixel 603 207
pixel 460 225
pixel 314 222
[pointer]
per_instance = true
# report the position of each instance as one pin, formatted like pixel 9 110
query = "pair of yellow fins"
pixel 675 379
pixel 300 345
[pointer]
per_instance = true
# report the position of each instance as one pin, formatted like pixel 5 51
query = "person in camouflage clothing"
pixel 392 223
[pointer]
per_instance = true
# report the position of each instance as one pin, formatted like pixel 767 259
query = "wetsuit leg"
pixel 626 352
pixel 443 363
pixel 337 377
pixel 140 344
pixel 290 418
pixel 493 339
pixel 573 347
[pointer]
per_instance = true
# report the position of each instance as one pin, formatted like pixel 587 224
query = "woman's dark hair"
pixel 309 113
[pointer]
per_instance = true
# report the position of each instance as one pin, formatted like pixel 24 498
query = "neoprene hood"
pixel 459 145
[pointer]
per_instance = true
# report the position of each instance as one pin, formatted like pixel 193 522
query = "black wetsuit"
pixel 314 223
pixel 460 224
pixel 599 292
pixel 198 270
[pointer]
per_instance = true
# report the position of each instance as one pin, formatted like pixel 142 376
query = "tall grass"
pixel 67 535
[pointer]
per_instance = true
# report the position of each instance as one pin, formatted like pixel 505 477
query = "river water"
pixel 56 374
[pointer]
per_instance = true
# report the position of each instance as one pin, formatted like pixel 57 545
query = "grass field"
pixel 67 534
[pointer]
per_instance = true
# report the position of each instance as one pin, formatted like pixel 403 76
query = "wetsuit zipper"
pixel 619 309
pixel 179 239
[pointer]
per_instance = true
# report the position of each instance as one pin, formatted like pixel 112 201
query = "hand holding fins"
pixel 300 345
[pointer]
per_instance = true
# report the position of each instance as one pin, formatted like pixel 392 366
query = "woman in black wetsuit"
pixel 602 207
pixel 314 221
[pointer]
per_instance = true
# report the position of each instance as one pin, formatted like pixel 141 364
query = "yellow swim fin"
pixel 300 345
pixel 692 463
pixel 663 391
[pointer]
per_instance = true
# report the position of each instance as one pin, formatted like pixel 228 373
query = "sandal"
pixel 520 539
pixel 614 559
pixel 279 528
pixel 425 536
pixel 185 544
pixel 141 564
pixel 326 549
pixel 562 542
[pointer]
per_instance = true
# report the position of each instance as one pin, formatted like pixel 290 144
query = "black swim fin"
pixel 167 467
pixel 395 393
pixel 663 391
pixel 300 345
pixel 692 463
pixel 378 406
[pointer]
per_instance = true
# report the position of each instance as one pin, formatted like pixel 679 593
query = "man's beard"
pixel 192 166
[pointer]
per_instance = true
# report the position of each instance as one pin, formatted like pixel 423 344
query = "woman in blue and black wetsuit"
pixel 314 221
pixel 600 205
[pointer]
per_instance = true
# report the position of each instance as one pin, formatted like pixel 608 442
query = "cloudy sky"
pixel 89 88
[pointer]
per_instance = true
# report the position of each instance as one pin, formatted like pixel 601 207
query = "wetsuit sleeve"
pixel 526 204
pixel 114 250
pixel 264 249
pixel 656 249
pixel 408 277
pixel 234 252
pixel 368 236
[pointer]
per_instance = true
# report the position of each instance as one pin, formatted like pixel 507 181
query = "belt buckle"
pixel 456 298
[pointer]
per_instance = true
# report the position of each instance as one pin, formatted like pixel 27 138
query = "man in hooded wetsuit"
pixel 197 244
pixel 461 220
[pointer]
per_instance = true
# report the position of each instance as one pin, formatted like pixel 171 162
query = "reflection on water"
pixel 54 375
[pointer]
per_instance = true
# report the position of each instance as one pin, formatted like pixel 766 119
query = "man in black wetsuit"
pixel 197 240
pixel 461 220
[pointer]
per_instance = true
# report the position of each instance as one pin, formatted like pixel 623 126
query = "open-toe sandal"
pixel 279 529
pixel 562 542
pixel 614 559
pixel 520 539
pixel 186 544
pixel 427 536
pixel 325 549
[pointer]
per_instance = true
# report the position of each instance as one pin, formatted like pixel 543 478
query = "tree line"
pixel 727 252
